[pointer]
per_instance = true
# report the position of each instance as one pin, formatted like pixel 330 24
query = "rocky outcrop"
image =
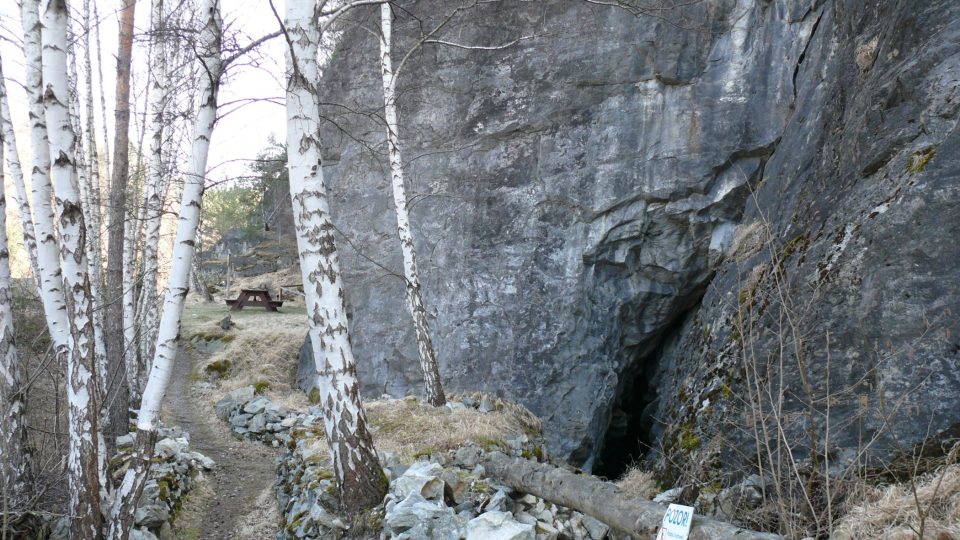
pixel 584 213
pixel 840 293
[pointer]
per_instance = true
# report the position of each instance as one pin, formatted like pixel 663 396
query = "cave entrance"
pixel 629 435
pixel 633 427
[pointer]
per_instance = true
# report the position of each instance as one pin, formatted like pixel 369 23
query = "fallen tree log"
pixel 602 500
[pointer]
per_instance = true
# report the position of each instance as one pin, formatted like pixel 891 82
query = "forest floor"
pixel 237 500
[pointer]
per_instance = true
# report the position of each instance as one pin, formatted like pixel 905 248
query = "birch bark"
pixel 83 171
pixel 93 156
pixel 48 257
pixel 428 356
pixel 14 457
pixel 82 463
pixel 361 481
pixel 158 379
pixel 154 192
pixel 19 186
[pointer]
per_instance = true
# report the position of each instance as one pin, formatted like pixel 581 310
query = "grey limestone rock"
pixel 595 207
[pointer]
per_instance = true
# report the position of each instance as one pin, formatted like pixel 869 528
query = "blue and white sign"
pixel 676 523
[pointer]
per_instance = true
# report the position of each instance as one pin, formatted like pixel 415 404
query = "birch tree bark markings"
pixel 360 479
pixel 14 456
pixel 428 356
pixel 82 462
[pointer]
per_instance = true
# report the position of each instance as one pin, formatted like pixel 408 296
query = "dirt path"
pixel 237 500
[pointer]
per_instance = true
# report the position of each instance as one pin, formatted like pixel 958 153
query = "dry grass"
pixel 637 482
pixel 891 512
pixel 262 347
pixel 411 428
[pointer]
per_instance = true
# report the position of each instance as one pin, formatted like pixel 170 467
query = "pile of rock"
pixel 173 473
pixel 306 490
pixel 431 501
pixel 172 476
pixel 256 417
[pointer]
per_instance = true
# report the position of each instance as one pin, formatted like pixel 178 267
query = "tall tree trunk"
pixel 116 351
pixel 83 172
pixel 178 285
pixel 93 157
pixel 428 356
pixel 48 256
pixel 14 457
pixel 361 481
pixel 19 185
pixel 103 101
pixel 82 462
pixel 153 195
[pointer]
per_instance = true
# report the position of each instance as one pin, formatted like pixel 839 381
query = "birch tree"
pixel 129 491
pixel 153 196
pixel 19 186
pixel 428 356
pixel 82 463
pixel 360 479
pixel 48 256
pixel 93 156
pixel 14 459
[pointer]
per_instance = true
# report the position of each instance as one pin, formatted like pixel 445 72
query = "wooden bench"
pixel 254 298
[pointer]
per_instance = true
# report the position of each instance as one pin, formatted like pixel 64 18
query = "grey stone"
pixel 152 515
pixel 124 441
pixel 422 478
pixel 500 502
pixel 240 420
pixel 257 424
pixel 498 526
pixel 467 456
pixel 436 519
pixel 167 448
pixel 595 528
pixel 142 534
pixel 256 406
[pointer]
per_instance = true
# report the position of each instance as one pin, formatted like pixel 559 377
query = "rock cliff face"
pixel 615 218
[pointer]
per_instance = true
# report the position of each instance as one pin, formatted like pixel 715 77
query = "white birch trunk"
pixel 48 256
pixel 19 185
pixel 361 481
pixel 153 195
pixel 428 356
pixel 82 463
pixel 93 158
pixel 14 456
pixel 178 284
pixel 94 264
pixel 103 103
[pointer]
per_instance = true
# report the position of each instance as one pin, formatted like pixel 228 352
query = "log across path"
pixel 602 500
pixel 237 501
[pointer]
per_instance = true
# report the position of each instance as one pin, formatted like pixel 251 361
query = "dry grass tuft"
pixel 891 512
pixel 412 428
pixel 637 482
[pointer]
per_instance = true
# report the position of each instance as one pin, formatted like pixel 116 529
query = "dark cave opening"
pixel 630 432
pixel 633 427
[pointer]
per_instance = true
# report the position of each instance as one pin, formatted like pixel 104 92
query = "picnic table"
pixel 254 298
